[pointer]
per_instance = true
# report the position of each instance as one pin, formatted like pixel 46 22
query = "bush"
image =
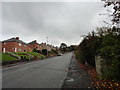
pixel 106 44
pixel 86 51
pixel 113 71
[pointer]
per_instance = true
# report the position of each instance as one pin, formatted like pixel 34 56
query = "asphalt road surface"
pixel 47 73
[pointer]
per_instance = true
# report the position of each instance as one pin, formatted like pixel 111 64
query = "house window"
pixel 20 44
pixel 25 45
pixel 4 43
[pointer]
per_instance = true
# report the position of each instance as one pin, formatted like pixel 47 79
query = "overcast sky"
pixel 60 21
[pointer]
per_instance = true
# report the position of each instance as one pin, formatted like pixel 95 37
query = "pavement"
pixel 76 77
pixel 47 73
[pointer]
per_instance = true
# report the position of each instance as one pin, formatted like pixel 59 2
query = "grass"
pixel 26 55
pixel 6 57
pixel 36 54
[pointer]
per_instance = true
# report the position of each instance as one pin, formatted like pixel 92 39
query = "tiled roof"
pixel 14 40
pixel 33 42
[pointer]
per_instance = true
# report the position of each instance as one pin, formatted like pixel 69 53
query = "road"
pixel 47 73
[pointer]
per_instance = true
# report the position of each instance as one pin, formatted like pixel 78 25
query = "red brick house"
pixel 34 45
pixel 43 45
pixel 46 46
pixel 15 45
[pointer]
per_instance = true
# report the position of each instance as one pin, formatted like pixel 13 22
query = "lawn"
pixel 24 55
pixel 36 54
pixel 6 57
pixel 27 54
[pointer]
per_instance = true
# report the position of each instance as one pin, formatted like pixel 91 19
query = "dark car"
pixel 59 54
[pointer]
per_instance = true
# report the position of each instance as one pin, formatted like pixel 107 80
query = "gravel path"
pixel 76 77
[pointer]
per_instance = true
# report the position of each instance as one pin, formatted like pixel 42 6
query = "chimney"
pixel 17 38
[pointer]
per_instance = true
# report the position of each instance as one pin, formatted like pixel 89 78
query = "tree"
pixel 63 47
pixel 116 14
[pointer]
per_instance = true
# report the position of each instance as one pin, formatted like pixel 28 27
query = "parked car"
pixel 59 54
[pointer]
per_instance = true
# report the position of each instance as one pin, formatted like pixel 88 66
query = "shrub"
pixel 86 51
pixel 113 71
pixel 107 44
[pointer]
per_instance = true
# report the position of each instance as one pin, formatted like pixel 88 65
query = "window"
pixel 25 45
pixel 20 44
pixel 19 50
pixel 4 43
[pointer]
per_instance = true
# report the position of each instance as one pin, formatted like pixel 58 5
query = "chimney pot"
pixel 17 38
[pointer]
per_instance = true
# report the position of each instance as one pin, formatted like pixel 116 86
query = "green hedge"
pixel 107 44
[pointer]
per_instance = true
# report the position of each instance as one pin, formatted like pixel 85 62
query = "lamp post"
pixel 47 45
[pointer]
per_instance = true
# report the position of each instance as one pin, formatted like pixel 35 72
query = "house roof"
pixel 33 42
pixel 14 40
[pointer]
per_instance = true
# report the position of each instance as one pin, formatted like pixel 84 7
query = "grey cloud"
pixel 61 22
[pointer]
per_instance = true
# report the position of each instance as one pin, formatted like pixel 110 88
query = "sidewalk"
pixel 76 77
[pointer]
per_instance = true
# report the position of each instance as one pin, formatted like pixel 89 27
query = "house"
pixel 46 46
pixel 15 45
pixel 43 45
pixel 49 47
pixel 54 48
pixel 35 45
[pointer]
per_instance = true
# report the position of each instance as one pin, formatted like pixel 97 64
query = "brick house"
pixel 15 45
pixel 35 45
pixel 46 46
pixel 55 48
pixel 43 45
pixel 49 47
